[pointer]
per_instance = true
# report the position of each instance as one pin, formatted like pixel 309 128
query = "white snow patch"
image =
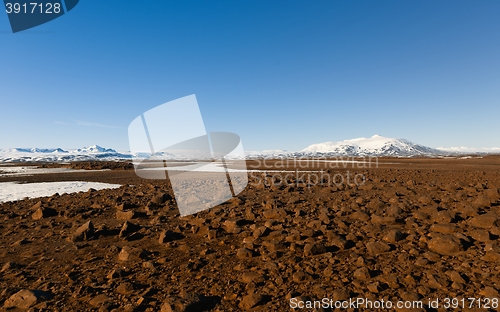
pixel 10 191
pixel 208 167
pixel 30 170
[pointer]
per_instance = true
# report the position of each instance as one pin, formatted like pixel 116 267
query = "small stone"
pixel 489 292
pixel 492 256
pixel 252 277
pixel 480 235
pixel 168 236
pixel 374 287
pixel 300 277
pixel 393 236
pixel 125 215
pixel 314 249
pixel 148 265
pixel 244 253
pixel 116 273
pixel 167 307
pixel 124 254
pixel 443 228
pixel 260 231
pixel 84 232
pixel 9 266
pixel 340 295
pixel 44 213
pixel 37 205
pixel 229 225
pixel 273 245
pixel 481 202
pixel 128 228
pixel 99 300
pixel 455 277
pixel 375 219
pixel 125 288
pixel 491 246
pixel 445 245
pixel 484 221
pixel 375 204
pixel 358 215
pixel 25 299
pixel 362 274
pixel 424 199
pixel 442 217
pixel 160 198
pixel 250 301
pixel 376 248
pixel 124 206
pixel 492 193
pixel 272 213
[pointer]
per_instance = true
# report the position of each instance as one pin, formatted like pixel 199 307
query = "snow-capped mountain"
pixel 95 149
pixel 94 152
pixel 33 150
pixel 375 146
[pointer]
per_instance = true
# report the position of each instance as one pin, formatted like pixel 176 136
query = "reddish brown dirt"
pixel 414 230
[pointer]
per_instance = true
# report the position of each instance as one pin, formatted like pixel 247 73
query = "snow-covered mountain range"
pixel 94 152
pixel 375 146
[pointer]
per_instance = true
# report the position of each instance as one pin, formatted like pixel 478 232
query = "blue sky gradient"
pixel 281 74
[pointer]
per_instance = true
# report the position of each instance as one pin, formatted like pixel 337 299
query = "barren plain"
pixel 407 230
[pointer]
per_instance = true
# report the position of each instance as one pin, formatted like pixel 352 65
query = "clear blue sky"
pixel 281 74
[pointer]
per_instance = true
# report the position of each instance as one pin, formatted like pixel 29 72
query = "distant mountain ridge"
pixel 93 152
pixel 374 146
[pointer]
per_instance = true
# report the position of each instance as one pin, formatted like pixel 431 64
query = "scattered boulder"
pixel 128 228
pixel 485 221
pixel 244 253
pixel 393 236
pixel 376 248
pixel 445 245
pixel 362 274
pixel 24 299
pixel 84 232
pixel 250 301
pixel 314 249
pixel 125 214
pixel 44 213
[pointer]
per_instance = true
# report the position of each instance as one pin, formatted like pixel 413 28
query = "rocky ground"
pixel 416 229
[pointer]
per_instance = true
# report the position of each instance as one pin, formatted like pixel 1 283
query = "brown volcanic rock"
pixel 250 301
pixel 125 215
pixel 314 249
pixel 25 299
pixel 84 232
pixel 376 248
pixel 44 213
pixel 445 245
pixel 485 221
